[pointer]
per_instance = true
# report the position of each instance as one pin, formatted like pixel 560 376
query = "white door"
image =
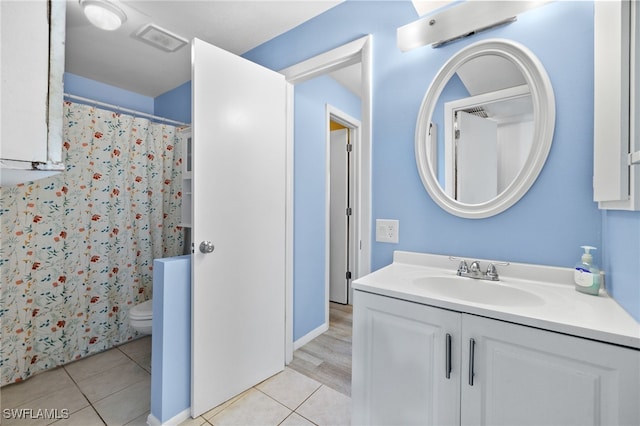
pixel 339 220
pixel 238 292
pixel 476 159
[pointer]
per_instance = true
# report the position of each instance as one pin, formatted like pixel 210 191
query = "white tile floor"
pixel 114 388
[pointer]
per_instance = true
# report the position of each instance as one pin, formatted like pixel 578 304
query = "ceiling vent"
pixel 477 111
pixel 160 38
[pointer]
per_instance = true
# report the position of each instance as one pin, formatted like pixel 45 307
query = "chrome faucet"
pixel 475 271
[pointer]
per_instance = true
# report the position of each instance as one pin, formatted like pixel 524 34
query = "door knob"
pixel 206 247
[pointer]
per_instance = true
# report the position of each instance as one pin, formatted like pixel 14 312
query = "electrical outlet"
pixel 387 230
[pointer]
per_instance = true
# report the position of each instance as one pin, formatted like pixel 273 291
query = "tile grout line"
pixel 133 360
pixel 280 403
pixel 294 412
pixel 84 396
pixel 91 404
pixel 305 400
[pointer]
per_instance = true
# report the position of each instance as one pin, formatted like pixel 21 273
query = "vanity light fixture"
pixel 460 21
pixel 103 14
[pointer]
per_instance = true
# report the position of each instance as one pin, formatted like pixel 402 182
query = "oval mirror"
pixel 485 128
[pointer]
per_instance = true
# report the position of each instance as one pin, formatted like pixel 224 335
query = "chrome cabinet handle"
pixel 447 368
pixel 472 352
pixel 206 247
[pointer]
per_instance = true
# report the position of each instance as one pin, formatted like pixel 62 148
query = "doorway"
pixel 342 136
pixel 356 52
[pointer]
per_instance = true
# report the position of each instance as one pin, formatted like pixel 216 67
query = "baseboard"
pixel 152 420
pixel 174 421
pixel 310 336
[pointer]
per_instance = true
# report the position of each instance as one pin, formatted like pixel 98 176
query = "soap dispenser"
pixel 586 274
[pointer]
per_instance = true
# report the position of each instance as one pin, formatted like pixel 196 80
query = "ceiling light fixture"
pixel 103 14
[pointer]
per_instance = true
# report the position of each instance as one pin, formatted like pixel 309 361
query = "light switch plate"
pixel 387 230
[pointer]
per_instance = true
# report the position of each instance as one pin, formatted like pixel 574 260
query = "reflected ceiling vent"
pixel 477 111
pixel 160 38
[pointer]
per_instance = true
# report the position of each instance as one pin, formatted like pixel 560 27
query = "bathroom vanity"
pixel 433 348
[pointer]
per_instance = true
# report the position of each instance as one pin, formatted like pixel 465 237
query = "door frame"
pixel 357 51
pixel 354 126
pixel 450 110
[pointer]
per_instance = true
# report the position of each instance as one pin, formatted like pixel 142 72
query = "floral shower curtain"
pixel 77 249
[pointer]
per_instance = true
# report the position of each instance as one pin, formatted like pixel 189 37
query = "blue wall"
pixel 309 196
pixel 621 235
pixel 555 217
pixel 171 342
pixel 175 104
pixel 91 89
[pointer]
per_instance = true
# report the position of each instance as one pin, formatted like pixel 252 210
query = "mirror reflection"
pixel 485 112
pixel 496 97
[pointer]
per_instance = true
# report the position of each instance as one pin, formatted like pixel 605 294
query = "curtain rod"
pixel 127 110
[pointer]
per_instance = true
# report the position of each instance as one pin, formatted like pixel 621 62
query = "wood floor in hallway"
pixel 327 358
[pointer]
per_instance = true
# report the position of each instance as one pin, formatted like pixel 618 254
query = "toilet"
pixel 140 317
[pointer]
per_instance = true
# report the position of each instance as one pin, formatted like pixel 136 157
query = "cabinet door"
pixel 527 376
pixel 25 79
pixel 399 363
pixel 616 127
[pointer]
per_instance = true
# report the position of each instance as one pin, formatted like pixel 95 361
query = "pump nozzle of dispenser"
pixel 587 257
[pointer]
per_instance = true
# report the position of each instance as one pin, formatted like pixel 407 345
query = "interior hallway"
pixel 327 358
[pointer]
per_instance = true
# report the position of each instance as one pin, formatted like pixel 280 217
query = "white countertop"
pixel 563 309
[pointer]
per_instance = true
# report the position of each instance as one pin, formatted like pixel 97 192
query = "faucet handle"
pixel 475 267
pixel 462 267
pixel 492 272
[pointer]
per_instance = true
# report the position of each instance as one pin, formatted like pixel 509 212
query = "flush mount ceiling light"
pixel 160 38
pixel 103 14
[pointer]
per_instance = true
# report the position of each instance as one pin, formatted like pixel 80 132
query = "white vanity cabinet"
pixel 417 364
pixel 399 361
pixel 524 375
pixel 32 38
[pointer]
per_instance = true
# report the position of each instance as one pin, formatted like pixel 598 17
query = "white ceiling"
pixel 489 73
pixel 116 58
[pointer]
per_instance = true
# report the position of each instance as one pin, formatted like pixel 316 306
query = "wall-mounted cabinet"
pixel 418 364
pixel 616 176
pixel 32 38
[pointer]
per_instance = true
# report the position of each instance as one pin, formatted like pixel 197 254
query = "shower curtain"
pixel 77 249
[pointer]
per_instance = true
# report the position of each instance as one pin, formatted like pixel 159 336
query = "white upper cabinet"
pixel 616 176
pixel 32 39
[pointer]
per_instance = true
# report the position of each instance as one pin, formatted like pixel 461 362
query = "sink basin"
pixel 478 291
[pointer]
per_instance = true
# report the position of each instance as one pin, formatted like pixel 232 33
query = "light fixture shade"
pixel 461 20
pixel 103 14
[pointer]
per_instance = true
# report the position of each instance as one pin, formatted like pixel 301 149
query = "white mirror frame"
pixel 544 113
